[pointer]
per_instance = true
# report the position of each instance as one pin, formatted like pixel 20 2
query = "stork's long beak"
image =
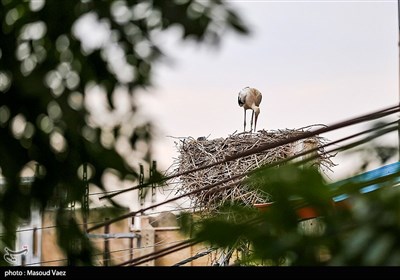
pixel 244 124
pixel 255 122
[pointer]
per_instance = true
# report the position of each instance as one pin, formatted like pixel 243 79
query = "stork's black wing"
pixel 241 100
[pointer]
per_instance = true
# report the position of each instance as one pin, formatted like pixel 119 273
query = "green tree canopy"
pixel 52 55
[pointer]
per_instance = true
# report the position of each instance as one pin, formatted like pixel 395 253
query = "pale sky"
pixel 315 62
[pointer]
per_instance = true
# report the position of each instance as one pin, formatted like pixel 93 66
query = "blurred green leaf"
pixel 52 64
pixel 361 230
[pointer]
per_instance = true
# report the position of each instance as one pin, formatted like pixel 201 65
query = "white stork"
pixel 250 98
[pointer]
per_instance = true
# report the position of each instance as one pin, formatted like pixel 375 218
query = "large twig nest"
pixel 199 152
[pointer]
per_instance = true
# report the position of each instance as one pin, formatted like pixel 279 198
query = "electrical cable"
pixel 238 176
pixel 195 257
pixel 306 134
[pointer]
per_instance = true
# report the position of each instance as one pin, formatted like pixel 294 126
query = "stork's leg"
pixel 252 116
pixel 255 122
pixel 244 125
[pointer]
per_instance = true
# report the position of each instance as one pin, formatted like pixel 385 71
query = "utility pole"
pixel 85 200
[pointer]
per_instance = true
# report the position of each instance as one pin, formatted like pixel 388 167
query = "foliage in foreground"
pixel 360 230
pixel 55 56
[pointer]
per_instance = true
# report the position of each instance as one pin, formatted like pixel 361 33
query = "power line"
pixel 44 228
pixel 131 214
pixel 94 222
pixel 195 257
pixel 384 129
pixel 238 176
pixel 59 260
pixel 160 243
pixel 175 248
pixel 267 146
pixel 371 116
pixel 160 253
pixel 383 113
pixel 248 222
pixel 190 242
pixel 171 250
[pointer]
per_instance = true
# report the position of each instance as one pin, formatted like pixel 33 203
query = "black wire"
pixel 93 222
pixel 273 145
pixel 161 253
pixel 100 254
pixel 267 146
pixel 363 118
pixel 183 244
pixel 195 257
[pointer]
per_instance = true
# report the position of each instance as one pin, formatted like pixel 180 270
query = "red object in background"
pixel 306 212
pixel 303 212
